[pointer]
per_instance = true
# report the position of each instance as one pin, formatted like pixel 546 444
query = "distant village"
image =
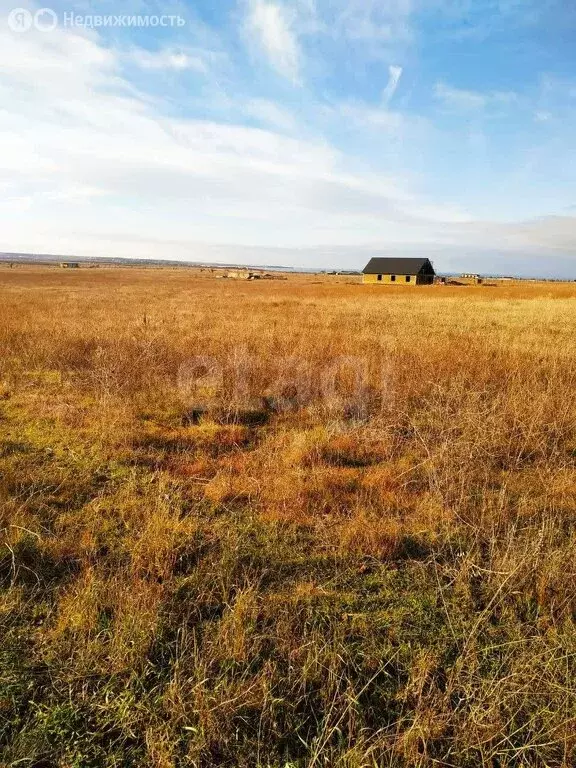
pixel 379 270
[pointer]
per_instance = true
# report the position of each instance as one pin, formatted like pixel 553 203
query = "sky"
pixel 306 133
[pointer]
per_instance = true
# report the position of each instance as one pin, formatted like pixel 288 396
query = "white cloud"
pixel 76 132
pixel 360 115
pixel 378 117
pixel 395 73
pixel 541 116
pixel 271 25
pixel 87 136
pixel 269 113
pixel 472 101
pixel 168 59
pixel 458 98
pixel 374 20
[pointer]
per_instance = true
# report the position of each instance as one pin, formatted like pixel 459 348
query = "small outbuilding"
pixel 472 278
pixel 399 271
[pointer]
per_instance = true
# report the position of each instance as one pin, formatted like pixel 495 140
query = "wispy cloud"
pixel 374 20
pixel 393 80
pixel 361 116
pixel 178 178
pixel 458 98
pixel 472 101
pixel 269 113
pixel 168 58
pixel 270 25
pixel 541 116
pixel 188 142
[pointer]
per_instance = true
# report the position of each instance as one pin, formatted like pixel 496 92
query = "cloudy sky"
pixel 309 133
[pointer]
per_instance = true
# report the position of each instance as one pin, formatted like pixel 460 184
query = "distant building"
pixel 246 274
pixel 242 274
pixel 69 265
pixel 401 271
pixel 472 277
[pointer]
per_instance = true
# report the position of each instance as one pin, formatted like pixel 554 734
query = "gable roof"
pixel 396 266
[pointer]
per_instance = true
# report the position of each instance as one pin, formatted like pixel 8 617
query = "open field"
pixel 280 524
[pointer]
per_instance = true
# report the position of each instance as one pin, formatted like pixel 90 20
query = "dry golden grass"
pixel 285 523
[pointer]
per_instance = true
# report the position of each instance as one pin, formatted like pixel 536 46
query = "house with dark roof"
pixel 398 271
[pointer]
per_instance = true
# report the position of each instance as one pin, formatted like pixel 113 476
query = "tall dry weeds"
pixel 285 523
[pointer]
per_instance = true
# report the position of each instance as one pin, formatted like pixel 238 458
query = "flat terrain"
pixel 285 523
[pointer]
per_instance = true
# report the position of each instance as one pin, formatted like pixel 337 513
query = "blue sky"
pixel 311 133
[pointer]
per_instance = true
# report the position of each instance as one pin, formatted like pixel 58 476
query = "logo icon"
pixel 45 20
pixel 20 20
